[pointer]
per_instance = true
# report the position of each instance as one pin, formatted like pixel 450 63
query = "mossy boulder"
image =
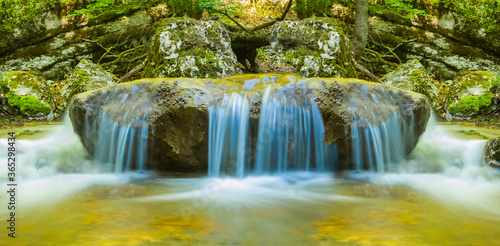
pixel 85 77
pixel 176 113
pixel 492 152
pixel 315 47
pixel 185 47
pixel 25 93
pixel 413 76
pixel 473 93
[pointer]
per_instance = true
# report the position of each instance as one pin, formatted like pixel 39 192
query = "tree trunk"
pixel 360 28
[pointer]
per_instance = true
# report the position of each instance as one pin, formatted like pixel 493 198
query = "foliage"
pixel 308 8
pixel 402 8
pixel 14 12
pixel 2 82
pixel 484 12
pixel 97 8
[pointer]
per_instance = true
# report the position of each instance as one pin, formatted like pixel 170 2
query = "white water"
pixel 255 206
pixel 123 146
pixel 289 136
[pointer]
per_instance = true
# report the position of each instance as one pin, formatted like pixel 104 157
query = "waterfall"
pixel 290 135
pixel 376 147
pixel 125 147
pixel 228 135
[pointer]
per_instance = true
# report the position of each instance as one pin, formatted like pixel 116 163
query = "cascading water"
pixel 125 147
pixel 376 147
pixel 119 128
pixel 289 136
pixel 228 135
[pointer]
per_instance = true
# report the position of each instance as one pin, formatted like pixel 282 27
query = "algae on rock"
pixel 185 47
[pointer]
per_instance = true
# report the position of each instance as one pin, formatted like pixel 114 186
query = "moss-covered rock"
pixel 473 93
pixel 185 47
pixel 316 47
pixel 25 93
pixel 85 77
pixel 176 112
pixel 413 76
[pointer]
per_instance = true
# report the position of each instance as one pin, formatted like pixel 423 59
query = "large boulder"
pixel 315 47
pixel 175 111
pixel 473 93
pixel 185 47
pixel 85 77
pixel 25 93
pixel 413 76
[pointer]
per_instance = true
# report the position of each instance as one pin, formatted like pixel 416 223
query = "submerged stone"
pixel 176 112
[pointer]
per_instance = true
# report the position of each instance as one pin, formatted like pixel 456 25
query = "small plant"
pixel 261 52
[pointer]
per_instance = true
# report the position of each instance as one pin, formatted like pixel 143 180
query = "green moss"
pixel 28 105
pixel 471 105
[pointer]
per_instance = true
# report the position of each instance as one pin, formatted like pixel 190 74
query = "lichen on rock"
pixel 185 47
pixel 413 76
pixel 315 47
pixel 473 93
pixel 25 93
pixel 86 76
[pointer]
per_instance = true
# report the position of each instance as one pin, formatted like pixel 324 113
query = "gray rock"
pixel 413 76
pixel 440 55
pixel 86 76
pixel 185 47
pixel 315 47
pixel 57 56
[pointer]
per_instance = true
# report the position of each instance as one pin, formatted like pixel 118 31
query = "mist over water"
pixel 430 186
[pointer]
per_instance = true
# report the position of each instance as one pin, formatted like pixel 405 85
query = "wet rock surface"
pixel 176 111
pixel 492 153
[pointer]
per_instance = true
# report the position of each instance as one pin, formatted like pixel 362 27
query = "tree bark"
pixel 360 28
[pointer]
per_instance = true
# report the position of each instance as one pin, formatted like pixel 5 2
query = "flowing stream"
pixel 440 195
